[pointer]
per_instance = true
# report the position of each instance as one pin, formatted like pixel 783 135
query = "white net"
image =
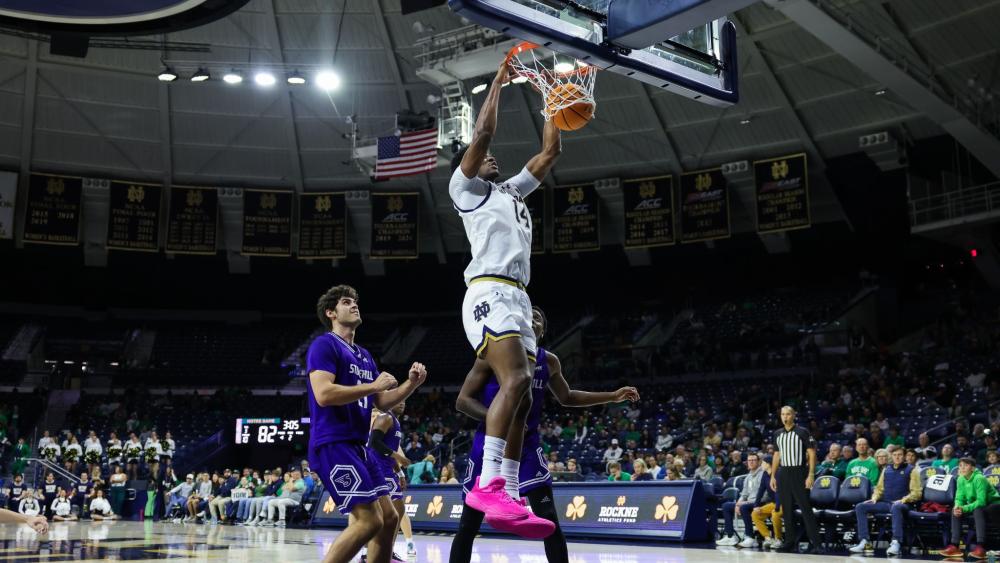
pixel 562 82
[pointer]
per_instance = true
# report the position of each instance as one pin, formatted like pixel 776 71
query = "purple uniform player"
pixel 535 483
pixel 385 440
pixel 344 386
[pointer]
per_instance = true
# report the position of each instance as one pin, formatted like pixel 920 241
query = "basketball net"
pixel 559 88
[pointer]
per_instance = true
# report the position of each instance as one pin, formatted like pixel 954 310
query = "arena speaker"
pixel 410 6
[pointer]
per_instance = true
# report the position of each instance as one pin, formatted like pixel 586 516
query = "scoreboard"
pixel 272 431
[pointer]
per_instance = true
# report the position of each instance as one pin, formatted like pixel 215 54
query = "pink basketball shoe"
pixel 506 514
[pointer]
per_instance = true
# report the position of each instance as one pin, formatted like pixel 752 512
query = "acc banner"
pixel 576 220
pixel 134 217
pixel 8 198
pixel 536 210
pixel 704 206
pixel 53 213
pixel 395 225
pixel 192 220
pixel 267 223
pixel 649 212
pixel 323 225
pixel 782 193
pixel 656 511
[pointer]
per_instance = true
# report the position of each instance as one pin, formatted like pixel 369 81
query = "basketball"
pixel 573 116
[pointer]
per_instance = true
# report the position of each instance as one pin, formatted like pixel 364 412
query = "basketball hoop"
pixel 562 84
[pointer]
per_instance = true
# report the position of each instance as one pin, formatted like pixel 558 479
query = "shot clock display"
pixel 272 431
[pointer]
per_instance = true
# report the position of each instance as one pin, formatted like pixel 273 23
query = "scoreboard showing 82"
pixel 271 431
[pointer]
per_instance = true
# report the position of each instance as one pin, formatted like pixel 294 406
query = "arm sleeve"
pixel 525 182
pixel 322 355
pixel 467 193
pixel 378 443
pixel 916 490
pixel 880 487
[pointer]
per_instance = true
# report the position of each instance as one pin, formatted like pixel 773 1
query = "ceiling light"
pixel 328 80
pixel 233 77
pixel 296 78
pixel 200 76
pixel 880 92
pixel 519 80
pixel 479 88
pixel 563 67
pixel 264 79
pixel 167 75
pixel 745 121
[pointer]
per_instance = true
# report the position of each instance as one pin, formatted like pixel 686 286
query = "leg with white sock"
pixel 511 463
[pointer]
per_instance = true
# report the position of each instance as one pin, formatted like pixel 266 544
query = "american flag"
pixel 411 153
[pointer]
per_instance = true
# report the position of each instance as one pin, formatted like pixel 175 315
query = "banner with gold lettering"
pixel 649 212
pixel 576 219
pixel 395 225
pixel 322 225
pixel 134 217
pixel 192 220
pixel 53 211
pixel 267 223
pixel 704 206
pixel 782 193
pixel 536 210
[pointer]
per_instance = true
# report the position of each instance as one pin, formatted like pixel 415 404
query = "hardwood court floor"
pixel 149 541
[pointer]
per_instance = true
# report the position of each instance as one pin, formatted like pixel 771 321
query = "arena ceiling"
pixel 108 116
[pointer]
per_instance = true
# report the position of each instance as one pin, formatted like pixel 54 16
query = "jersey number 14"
pixel 521 214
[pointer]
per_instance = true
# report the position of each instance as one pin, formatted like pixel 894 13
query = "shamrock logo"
pixel 435 506
pixel 855 482
pixel 195 198
pixel 621 501
pixel 328 506
pixel 647 190
pixel 577 508
pixel 667 509
pixel 136 194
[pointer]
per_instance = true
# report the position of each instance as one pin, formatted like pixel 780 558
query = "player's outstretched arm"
pixel 386 399
pixel 468 402
pixel 381 426
pixel 486 126
pixel 37 523
pixel 574 398
pixel 542 163
pixel 329 394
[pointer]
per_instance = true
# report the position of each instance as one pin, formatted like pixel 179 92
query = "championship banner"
pixel 649 212
pixel 323 225
pixel 704 206
pixel 649 510
pixel 8 199
pixel 267 223
pixel 576 220
pixel 395 225
pixel 53 210
pixel 536 210
pixel 134 217
pixel 782 193
pixel 192 220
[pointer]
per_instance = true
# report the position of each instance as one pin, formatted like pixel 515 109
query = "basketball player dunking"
pixel 344 385
pixel 496 311
pixel 480 389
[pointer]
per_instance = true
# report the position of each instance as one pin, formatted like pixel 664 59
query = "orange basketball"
pixel 573 116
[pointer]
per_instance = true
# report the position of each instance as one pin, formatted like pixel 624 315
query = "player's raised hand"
pixel 385 382
pixel 503 73
pixel 38 523
pixel 418 373
pixel 627 394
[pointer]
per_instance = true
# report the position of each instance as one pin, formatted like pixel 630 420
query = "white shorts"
pixel 494 311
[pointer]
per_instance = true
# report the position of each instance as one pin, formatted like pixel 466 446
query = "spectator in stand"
pixel 615 472
pixel 704 470
pixel 742 439
pixel 973 495
pixel 925 450
pixel 448 475
pixel 613 453
pixel 675 472
pixel 554 463
pixel 100 508
pixel 414 450
pixel 962 447
pixel 655 471
pixel 894 439
pixel 833 464
pixel 422 472
pixel 46 440
pixel 947 460
pixel 62 509
pixel 898 488
pixel 847 452
pixel 50 491
pixel 992 458
pixel 581 430
pixel 864 465
pixel 640 473
pixel 664 441
pixel 757 481
pixel 28 505
pixel 292 492
pixel 84 492
pixel 911 457
pixel 882 459
pixel 713 438
pixel 734 466
pixel 217 507
pixel 177 497
pixel 258 506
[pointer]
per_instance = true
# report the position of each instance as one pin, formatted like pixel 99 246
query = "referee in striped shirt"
pixel 794 464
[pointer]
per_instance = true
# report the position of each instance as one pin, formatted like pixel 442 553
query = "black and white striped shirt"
pixel 792 444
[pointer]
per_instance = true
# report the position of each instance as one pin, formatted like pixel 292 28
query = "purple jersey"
pixel 392 439
pixel 539 383
pixel 352 365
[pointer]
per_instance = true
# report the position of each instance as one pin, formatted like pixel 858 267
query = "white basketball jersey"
pixel 497 224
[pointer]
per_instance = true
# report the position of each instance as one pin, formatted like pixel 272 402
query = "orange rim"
pixel 548 73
